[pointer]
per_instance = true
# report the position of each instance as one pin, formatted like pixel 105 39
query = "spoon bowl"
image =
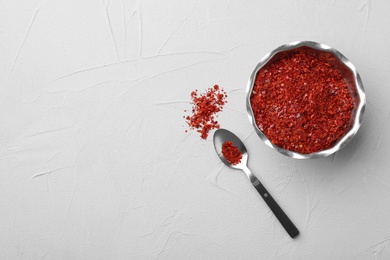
pixel 223 135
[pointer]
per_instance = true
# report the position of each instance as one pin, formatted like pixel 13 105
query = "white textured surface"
pixel 94 161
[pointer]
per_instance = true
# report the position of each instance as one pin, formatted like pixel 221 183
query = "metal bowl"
pixel 339 62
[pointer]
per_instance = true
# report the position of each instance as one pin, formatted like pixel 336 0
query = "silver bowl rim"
pixel 359 110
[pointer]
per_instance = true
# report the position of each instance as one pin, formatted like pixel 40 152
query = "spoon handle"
pixel 279 213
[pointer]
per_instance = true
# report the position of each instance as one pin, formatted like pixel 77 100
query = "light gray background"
pixel 94 161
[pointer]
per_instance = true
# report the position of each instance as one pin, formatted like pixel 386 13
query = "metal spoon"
pixel 222 135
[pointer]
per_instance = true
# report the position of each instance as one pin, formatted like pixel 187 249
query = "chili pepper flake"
pixel 231 153
pixel 301 103
pixel 205 108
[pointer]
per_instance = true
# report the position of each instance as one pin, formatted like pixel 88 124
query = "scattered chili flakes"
pixel 301 103
pixel 231 153
pixel 205 107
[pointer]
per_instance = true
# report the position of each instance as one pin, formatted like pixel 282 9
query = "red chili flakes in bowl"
pixel 205 107
pixel 231 153
pixel 301 103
